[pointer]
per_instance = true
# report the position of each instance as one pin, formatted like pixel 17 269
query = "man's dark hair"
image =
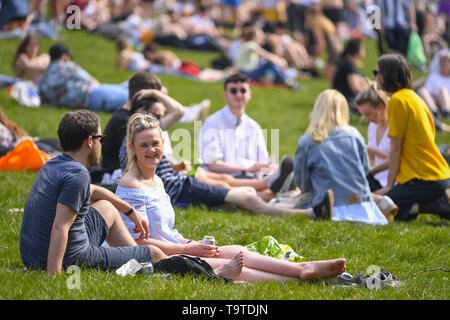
pixel 352 47
pixel 58 50
pixel 142 80
pixel 75 127
pixel 395 72
pixel 237 77
pixel 145 103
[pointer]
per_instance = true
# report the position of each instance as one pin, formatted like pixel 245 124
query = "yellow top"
pixel 411 121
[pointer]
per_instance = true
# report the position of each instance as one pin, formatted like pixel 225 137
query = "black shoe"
pixel 285 167
pixel 324 210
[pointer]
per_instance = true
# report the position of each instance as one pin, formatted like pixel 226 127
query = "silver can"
pixel 147 268
pixel 209 240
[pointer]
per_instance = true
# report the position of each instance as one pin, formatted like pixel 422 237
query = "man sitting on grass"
pixel 66 219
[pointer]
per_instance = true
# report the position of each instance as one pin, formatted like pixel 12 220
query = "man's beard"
pixel 93 159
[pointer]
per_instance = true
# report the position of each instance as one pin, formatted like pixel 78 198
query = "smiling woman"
pixel 145 191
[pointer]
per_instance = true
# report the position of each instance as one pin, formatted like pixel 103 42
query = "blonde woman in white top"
pixel 145 191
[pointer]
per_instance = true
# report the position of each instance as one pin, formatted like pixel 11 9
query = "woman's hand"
pixel 198 249
pixel 383 191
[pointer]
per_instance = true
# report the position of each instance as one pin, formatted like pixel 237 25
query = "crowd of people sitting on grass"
pixel 272 42
pixel 105 198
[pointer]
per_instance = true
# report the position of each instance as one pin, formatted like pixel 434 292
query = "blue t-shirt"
pixel 61 180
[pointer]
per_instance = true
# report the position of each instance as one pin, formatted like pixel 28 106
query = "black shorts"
pixel 96 256
pixel 334 14
pixel 296 17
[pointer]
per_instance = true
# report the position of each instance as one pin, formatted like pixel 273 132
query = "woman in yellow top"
pixel 418 174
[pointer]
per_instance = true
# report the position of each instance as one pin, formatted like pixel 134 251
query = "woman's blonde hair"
pixel 330 111
pixel 138 122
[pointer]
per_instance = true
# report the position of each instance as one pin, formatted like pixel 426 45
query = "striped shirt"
pixel 173 181
pixel 395 13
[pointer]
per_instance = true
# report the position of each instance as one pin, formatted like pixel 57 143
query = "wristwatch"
pixel 129 211
pixel 243 172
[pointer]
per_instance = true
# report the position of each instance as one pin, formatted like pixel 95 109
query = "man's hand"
pixel 147 93
pixel 257 167
pixel 141 225
pixel 183 166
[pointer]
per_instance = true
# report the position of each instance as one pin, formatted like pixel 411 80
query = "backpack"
pixel 183 265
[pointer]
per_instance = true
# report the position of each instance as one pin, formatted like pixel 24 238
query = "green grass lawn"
pixel 401 248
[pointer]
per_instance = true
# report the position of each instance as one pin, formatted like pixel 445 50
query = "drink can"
pixel 209 240
pixel 147 268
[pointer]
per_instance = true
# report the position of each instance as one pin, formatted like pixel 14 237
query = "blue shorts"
pixel 233 3
pixel 96 256
pixel 196 193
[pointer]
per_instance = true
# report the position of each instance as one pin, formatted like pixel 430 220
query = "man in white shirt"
pixel 230 141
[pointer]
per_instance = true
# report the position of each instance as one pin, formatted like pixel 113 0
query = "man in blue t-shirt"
pixel 66 219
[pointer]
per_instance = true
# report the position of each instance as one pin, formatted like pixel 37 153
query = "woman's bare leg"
pixel 247 199
pixel 234 269
pixel 444 100
pixel 304 271
pixel 212 178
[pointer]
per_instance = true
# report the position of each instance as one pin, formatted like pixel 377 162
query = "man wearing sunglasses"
pixel 230 141
pixel 66 219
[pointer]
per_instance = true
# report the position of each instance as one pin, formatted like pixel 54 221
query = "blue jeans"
pixel 428 194
pixel 264 68
pixel 107 97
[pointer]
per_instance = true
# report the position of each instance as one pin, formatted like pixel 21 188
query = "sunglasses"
pixel 235 91
pixel 102 138
pixel 375 72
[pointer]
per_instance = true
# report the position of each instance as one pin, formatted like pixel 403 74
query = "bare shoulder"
pixel 129 181
pixel 158 182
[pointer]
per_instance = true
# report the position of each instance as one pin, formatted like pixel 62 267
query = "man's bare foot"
pixel 233 269
pixel 322 269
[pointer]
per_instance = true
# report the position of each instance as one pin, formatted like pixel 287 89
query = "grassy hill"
pixel 401 248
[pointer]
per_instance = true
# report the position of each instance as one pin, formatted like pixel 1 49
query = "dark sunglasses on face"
pixel 101 137
pixel 375 72
pixel 235 91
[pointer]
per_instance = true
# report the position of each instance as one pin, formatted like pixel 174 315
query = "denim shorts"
pixel 96 256
pixel 196 193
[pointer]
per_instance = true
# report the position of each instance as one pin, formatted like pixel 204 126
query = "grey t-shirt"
pixel 61 180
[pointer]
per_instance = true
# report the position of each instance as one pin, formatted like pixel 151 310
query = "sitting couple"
pixel 66 219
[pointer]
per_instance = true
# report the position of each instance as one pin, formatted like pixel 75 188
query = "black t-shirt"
pixel 115 131
pixel 344 68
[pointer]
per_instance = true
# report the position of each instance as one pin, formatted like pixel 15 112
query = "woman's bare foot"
pixel 322 269
pixel 233 269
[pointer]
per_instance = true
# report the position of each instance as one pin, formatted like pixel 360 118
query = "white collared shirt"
pixel 240 142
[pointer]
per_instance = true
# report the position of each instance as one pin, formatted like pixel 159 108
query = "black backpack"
pixel 183 265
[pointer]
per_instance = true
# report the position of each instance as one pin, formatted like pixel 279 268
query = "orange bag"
pixel 26 156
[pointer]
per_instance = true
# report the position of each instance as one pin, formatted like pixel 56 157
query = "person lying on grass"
pixel 145 191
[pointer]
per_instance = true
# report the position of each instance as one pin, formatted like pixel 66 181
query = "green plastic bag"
pixel 416 54
pixel 269 246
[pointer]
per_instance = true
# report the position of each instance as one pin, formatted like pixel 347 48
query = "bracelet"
pixel 129 211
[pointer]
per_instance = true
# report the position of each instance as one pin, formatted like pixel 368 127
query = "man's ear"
pixel 89 142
